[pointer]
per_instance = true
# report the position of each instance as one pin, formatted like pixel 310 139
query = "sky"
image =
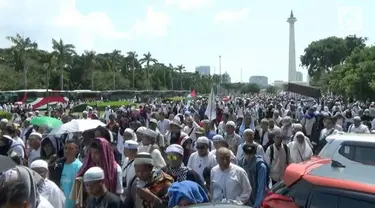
pixel 251 35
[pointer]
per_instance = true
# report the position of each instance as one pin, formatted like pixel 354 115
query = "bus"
pixel 84 95
pixel 37 98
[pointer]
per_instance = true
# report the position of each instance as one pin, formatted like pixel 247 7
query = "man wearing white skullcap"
pixel 35 140
pixel 248 136
pixel 98 193
pixel 219 142
pixel 176 168
pixel 202 158
pixel 149 145
pixel 128 171
pixel 49 190
pixel 232 138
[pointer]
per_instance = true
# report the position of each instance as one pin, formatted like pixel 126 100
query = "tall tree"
pixel 147 59
pixel 132 57
pixel 21 48
pixel 63 53
pixel 90 62
pixel 180 69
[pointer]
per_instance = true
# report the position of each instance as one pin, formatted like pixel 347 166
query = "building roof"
pixel 320 171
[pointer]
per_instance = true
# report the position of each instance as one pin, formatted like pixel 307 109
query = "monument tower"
pixel 292 49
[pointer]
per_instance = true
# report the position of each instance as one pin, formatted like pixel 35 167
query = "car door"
pixel 356 152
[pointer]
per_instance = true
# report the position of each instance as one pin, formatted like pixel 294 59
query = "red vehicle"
pixel 323 183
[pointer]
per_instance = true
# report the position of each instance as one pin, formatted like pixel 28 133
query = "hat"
pixel 206 121
pixel 175 148
pixel 39 164
pixel 93 174
pixel 131 145
pixel 143 158
pixel 231 123
pixel 202 140
pixel 217 138
pixel 141 130
pixel 176 122
pixel 85 112
pixel 151 133
pixel 153 121
pixel 4 120
pixel 37 135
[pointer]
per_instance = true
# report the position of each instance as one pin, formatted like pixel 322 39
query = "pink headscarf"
pixel 107 163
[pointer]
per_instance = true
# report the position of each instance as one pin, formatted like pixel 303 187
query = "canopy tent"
pixel 309 91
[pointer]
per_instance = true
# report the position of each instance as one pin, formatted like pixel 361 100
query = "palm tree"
pixel 171 69
pixel 89 62
pixel 48 60
pixel 20 49
pixel 147 59
pixel 113 62
pixel 180 68
pixel 63 53
pixel 132 57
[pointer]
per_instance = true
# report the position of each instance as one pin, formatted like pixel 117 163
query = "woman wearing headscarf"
pixel 102 132
pixel 187 144
pixel 186 193
pixel 31 182
pixel 300 149
pixel 286 129
pixel 101 155
pixel 8 145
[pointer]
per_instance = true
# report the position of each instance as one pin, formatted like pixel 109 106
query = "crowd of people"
pixel 170 154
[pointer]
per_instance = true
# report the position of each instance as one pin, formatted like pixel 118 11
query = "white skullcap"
pixel 129 131
pixel 175 148
pixel 93 174
pixel 231 123
pixel 357 118
pixel 36 135
pixel 143 158
pixel 4 120
pixel 130 144
pixel 141 130
pixel 151 133
pixel 153 121
pixel 203 140
pixel 248 131
pixel 39 164
pixel 217 138
pixel 85 112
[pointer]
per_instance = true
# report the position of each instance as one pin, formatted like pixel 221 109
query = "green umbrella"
pixel 46 121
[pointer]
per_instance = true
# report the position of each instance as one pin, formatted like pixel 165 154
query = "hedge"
pixel 4 114
pixel 114 104
pixel 175 99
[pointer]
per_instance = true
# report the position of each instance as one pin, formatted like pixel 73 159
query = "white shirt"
pixel 44 203
pixel 119 189
pixel 278 166
pixel 128 173
pixel 233 158
pixel 34 154
pixel 53 194
pixel 199 163
pixel 361 129
pixel 230 184
pixel 163 126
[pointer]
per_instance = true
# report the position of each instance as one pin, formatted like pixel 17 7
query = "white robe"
pixel 53 194
pixel 231 184
pixel 299 152
pixel 199 163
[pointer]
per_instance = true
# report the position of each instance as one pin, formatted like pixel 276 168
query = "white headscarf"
pixel 300 152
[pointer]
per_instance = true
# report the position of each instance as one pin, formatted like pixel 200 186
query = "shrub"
pixel 175 99
pixel 114 104
pixel 4 114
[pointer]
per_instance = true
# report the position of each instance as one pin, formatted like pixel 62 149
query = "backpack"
pixel 286 148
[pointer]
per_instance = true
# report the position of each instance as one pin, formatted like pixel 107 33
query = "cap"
pixel 130 144
pixel 202 140
pixel 153 121
pixel 217 138
pixel 141 130
pixel 175 148
pixel 150 133
pixel 36 135
pixel 231 123
pixel 4 120
pixel 93 174
pixel 143 158
pixel 39 164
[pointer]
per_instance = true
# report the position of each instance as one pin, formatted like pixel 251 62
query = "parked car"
pixel 350 148
pixel 324 183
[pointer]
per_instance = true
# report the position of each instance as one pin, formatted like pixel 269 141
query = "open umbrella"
pixel 46 121
pixel 77 125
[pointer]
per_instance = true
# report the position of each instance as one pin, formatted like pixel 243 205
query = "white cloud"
pixel 46 19
pixel 189 4
pixel 230 16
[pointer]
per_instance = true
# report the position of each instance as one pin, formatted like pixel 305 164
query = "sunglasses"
pixel 172 157
pixel 201 147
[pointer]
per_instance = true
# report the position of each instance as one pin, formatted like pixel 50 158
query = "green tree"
pixel 147 59
pixel 63 53
pixel 251 88
pixel 321 56
pixel 271 89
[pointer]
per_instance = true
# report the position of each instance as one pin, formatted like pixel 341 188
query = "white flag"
pixel 211 106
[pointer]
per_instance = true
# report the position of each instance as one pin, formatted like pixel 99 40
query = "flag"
pixel 189 97
pixel 211 106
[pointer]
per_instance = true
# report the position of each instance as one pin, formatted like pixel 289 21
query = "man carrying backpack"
pixel 277 158
pixel 258 173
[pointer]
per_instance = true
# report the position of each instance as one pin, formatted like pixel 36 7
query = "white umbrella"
pixel 77 125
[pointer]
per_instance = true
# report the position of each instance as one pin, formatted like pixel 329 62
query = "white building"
pixel 262 81
pixel 203 70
